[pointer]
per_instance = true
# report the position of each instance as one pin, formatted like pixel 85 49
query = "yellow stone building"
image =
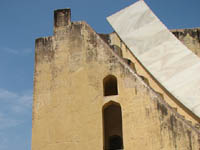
pixel 91 93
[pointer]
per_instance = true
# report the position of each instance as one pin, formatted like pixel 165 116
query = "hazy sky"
pixel 22 21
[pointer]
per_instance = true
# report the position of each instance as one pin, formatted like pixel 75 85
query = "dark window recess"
pixel 110 85
pixel 112 126
pixel 115 142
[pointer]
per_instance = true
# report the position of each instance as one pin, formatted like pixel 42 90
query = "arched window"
pixel 130 63
pixel 112 126
pixel 110 85
pixel 117 50
pixel 145 80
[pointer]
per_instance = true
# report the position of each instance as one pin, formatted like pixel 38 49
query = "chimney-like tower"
pixel 62 17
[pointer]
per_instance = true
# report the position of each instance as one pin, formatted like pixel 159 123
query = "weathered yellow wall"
pixel 190 38
pixel 68 97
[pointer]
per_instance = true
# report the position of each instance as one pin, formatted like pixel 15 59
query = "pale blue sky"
pixel 22 21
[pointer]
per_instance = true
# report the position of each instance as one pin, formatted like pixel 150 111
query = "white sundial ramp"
pixel 160 52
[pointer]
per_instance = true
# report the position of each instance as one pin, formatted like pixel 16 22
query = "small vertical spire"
pixel 62 17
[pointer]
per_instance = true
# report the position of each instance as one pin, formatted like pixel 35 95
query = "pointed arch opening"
pixel 112 126
pixel 110 85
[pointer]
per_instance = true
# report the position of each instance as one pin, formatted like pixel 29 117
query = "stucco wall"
pixel 68 97
pixel 190 38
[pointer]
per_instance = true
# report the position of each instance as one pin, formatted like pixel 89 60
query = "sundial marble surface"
pixel 161 53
